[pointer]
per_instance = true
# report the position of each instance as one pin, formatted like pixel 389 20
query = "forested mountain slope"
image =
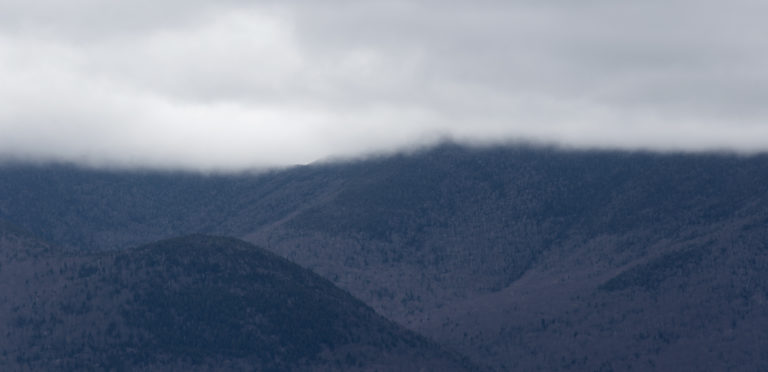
pixel 192 303
pixel 519 257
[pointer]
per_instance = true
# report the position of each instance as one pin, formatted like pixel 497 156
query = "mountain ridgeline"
pixel 519 258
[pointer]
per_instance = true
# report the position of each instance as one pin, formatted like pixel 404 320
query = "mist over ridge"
pixel 246 168
pixel 236 85
pixel 369 185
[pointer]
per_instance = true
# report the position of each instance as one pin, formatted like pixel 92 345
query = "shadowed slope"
pixel 197 302
pixel 524 258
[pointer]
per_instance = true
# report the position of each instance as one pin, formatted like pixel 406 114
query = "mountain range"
pixel 516 257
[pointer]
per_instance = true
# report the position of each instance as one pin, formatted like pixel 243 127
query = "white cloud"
pixel 234 85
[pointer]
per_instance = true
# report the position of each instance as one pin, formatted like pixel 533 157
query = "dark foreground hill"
pixel 521 258
pixel 193 303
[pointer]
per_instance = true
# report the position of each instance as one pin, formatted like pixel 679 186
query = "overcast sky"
pixel 241 84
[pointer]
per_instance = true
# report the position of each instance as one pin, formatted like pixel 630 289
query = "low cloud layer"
pixel 240 84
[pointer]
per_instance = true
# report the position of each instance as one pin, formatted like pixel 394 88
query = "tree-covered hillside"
pixel 533 258
pixel 192 303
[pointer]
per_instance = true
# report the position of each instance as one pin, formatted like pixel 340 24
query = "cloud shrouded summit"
pixel 236 84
